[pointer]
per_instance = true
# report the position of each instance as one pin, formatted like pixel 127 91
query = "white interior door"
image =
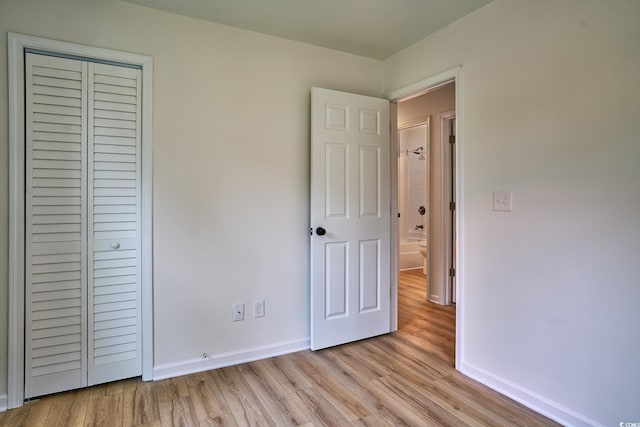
pixel 350 203
pixel 82 224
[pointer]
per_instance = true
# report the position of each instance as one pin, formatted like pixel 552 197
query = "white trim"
pixel 408 92
pixel 200 364
pixel 393 193
pixel 423 86
pixel 15 344
pixel 3 402
pixel 530 399
pixel 443 140
pixel 16 45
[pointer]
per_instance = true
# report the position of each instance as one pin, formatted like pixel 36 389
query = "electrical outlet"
pixel 258 308
pixel 238 312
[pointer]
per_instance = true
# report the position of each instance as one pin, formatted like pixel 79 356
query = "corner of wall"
pixel 528 398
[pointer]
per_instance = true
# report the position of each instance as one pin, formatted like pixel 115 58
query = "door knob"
pixel 115 245
pixel 321 231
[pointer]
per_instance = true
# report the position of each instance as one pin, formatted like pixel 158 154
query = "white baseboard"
pixel 215 361
pixel 3 402
pixel 530 399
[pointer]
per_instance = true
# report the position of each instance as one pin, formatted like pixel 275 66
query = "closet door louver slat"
pixel 55 225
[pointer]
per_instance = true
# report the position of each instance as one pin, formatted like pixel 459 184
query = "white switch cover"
pixel 502 201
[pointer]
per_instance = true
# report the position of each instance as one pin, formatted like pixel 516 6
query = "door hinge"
pixel 311 231
pixel 452 206
pixel 452 272
pixel 452 139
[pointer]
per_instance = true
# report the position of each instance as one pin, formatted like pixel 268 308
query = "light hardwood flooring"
pixel 401 379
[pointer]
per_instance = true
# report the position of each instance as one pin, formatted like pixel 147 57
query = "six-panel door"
pixel 350 276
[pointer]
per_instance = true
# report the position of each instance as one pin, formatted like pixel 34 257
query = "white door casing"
pixel 350 199
pixel 18 45
pixel 408 92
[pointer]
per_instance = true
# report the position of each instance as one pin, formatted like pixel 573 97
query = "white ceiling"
pixel 373 28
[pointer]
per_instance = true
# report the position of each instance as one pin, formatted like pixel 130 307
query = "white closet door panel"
pixel 114 223
pixel 56 225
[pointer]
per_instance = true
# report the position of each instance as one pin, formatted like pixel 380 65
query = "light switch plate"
pixel 502 201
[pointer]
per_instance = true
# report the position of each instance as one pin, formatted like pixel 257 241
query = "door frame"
pixel 17 43
pixel 401 94
pixel 444 118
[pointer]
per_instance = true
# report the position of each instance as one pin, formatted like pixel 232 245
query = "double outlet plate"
pixel 237 313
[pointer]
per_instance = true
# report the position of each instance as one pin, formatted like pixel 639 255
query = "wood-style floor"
pixel 401 379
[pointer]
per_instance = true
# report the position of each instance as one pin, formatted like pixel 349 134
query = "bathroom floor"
pixel 419 316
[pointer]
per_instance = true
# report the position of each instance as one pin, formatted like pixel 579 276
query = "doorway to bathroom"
pixel 425 184
pixel 426 202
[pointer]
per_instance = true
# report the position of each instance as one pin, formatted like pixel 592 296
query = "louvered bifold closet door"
pixel 114 147
pixel 82 224
pixel 55 225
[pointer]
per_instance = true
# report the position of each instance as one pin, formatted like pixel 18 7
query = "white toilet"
pixel 422 248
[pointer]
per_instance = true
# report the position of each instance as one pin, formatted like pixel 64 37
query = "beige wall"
pixel 434 103
pixel 231 167
pixel 550 103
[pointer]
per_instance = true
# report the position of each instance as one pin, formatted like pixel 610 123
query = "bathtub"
pixel 409 257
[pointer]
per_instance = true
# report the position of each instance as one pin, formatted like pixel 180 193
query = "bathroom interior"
pixel 425 190
pixel 413 223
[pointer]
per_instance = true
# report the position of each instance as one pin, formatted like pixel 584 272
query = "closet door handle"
pixel 115 245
